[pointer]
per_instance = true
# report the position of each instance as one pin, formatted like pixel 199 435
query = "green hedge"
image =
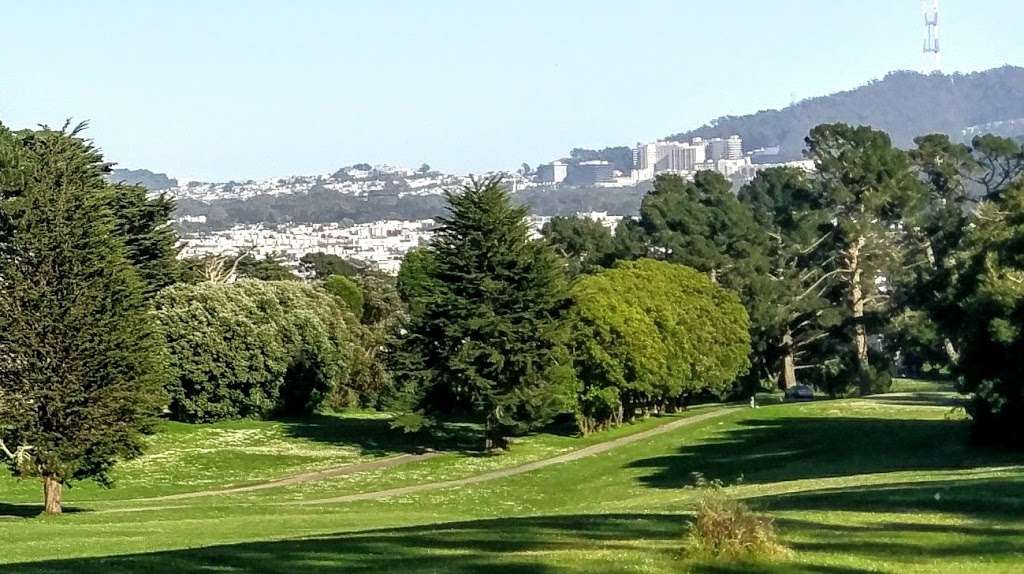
pixel 253 348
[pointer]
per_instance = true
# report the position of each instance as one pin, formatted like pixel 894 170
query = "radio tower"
pixel 931 36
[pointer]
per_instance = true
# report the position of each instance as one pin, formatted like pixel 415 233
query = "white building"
pixel 554 172
pixel 722 155
pixel 668 156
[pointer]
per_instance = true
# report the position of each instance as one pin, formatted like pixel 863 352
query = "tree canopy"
pixel 647 332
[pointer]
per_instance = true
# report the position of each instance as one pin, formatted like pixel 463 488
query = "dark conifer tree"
pixel 81 363
pixel 486 335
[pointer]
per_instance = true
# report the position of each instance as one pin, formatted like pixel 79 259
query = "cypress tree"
pixel 81 363
pixel 486 336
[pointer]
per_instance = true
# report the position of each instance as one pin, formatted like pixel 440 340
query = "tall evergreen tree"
pixel 81 363
pixel 486 334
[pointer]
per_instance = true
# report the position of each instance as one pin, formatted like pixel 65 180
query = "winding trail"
pixel 398 460
pixel 524 468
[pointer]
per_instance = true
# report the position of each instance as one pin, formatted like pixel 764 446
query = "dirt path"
pixel 301 478
pixel 522 469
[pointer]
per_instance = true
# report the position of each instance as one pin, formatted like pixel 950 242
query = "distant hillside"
pixel 144 177
pixel 904 104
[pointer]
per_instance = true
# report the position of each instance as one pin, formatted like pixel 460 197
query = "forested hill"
pixel 904 104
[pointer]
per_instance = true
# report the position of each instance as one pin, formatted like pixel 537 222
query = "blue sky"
pixel 218 90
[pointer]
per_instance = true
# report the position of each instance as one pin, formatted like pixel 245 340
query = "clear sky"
pixel 220 89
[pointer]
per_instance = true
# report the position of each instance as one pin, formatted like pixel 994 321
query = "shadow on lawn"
pixel 376 437
pixel 29 510
pixel 534 545
pixel 940 399
pixel 790 448
pixel 496 546
pixel 993 499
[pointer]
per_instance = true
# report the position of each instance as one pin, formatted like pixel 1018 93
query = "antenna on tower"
pixel 931 35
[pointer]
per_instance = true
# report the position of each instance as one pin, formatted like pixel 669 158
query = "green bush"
pixel 347 291
pixel 253 348
pixel 653 331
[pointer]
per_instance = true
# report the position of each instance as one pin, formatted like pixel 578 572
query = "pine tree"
pixel 81 363
pixel 486 335
pixel 866 187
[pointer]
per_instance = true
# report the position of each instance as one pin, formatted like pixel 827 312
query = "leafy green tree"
pixel 323 265
pixel 384 316
pixel 254 348
pixel 647 332
pixel 935 232
pixel 417 278
pixel 866 187
pixel 990 291
pixel 485 335
pixel 789 311
pixel 702 225
pixel 999 161
pixel 585 244
pixel 346 291
pixel 81 363
pixel 270 268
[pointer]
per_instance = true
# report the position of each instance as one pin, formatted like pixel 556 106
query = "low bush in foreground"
pixel 728 529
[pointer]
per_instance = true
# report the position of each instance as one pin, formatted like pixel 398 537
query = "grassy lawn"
pixel 881 484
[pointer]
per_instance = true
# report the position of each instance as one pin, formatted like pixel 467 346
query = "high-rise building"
pixel 662 156
pixel 716 149
pixel 554 172
pixel 728 148
pixel 591 172
pixel 734 147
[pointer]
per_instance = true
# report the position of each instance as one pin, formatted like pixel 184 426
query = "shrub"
pixel 725 528
pixel 253 348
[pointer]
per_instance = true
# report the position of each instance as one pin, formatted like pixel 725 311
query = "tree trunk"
pixel 489 431
pixel 860 334
pixel 52 487
pixel 951 352
pixel 788 362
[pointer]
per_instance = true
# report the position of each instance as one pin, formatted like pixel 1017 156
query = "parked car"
pixel 800 393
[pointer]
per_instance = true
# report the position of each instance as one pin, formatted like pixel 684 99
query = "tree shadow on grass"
pixel 30 510
pixel 938 399
pixel 995 499
pixel 374 436
pixel 500 546
pixel 790 448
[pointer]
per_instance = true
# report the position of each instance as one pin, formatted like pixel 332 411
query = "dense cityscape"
pixel 384 243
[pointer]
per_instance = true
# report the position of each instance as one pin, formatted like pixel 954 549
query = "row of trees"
pixel 102 328
pixel 795 278
pixel 881 253
pixel 496 331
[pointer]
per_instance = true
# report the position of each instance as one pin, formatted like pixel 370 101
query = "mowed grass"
pixel 881 484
